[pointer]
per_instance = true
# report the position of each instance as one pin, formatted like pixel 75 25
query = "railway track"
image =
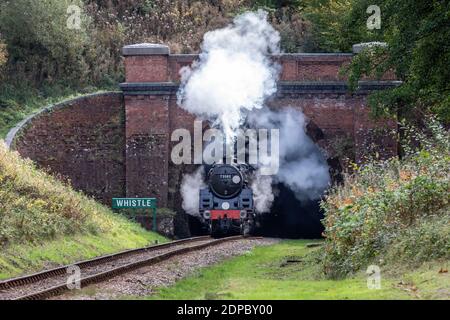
pixel 53 282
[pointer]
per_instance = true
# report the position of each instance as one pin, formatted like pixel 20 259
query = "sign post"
pixel 136 203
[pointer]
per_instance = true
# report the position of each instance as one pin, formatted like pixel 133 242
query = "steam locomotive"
pixel 226 204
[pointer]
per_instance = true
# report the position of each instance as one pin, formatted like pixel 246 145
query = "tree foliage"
pixel 39 42
pixel 418 37
pixel 41 49
pixel 3 58
pixel 3 54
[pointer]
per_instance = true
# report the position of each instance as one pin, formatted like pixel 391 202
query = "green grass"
pixel 18 259
pixel 44 222
pixel 264 274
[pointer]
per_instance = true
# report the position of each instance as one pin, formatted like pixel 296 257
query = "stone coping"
pixel 284 87
pixel 145 49
pixel 357 48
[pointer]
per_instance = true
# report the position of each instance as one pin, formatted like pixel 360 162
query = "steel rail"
pixel 101 276
pixel 35 277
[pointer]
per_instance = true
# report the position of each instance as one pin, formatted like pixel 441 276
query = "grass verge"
pixel 266 273
pixel 18 259
pixel 44 222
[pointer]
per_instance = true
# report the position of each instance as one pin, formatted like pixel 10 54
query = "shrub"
pixel 390 203
pixel 427 240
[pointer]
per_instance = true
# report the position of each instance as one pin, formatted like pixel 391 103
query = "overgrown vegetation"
pixel 417 51
pixel 36 207
pixel 45 46
pixel 38 49
pixel 393 210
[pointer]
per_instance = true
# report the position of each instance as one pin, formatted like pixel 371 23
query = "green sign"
pixel 136 203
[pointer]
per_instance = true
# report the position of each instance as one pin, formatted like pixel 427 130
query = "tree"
pixel 418 37
pixel 41 43
pixel 3 53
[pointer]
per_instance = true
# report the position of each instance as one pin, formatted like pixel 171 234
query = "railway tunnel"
pixel 119 143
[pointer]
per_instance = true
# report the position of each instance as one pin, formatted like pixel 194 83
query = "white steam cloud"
pixel 262 192
pixel 303 167
pixel 234 73
pixel 190 191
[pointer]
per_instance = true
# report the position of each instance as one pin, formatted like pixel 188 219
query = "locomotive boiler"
pixel 226 204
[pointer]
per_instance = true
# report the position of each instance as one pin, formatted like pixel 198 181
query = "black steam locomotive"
pixel 226 205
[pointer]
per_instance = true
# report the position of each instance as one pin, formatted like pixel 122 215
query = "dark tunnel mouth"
pixel 288 219
pixel 292 218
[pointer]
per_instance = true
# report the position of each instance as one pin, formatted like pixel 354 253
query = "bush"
pixel 391 204
pixel 427 240
pixel 44 51
pixel 3 58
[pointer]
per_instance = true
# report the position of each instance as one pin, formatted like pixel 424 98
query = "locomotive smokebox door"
pixel 225 181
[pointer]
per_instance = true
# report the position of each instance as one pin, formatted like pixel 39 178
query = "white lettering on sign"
pixel 134 203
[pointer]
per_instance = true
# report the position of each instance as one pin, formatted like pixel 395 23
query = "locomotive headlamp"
pixel 207 214
pixel 236 179
pixel 225 205
pixel 243 214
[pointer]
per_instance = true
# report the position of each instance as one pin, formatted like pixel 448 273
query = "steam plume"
pixel 234 73
pixel 190 191
pixel 303 167
pixel 262 192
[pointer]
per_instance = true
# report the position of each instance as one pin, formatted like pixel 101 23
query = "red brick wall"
pixel 147 146
pixel 179 118
pixel 294 67
pixel 82 139
pixel 146 69
pixel 312 67
pixel 343 117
